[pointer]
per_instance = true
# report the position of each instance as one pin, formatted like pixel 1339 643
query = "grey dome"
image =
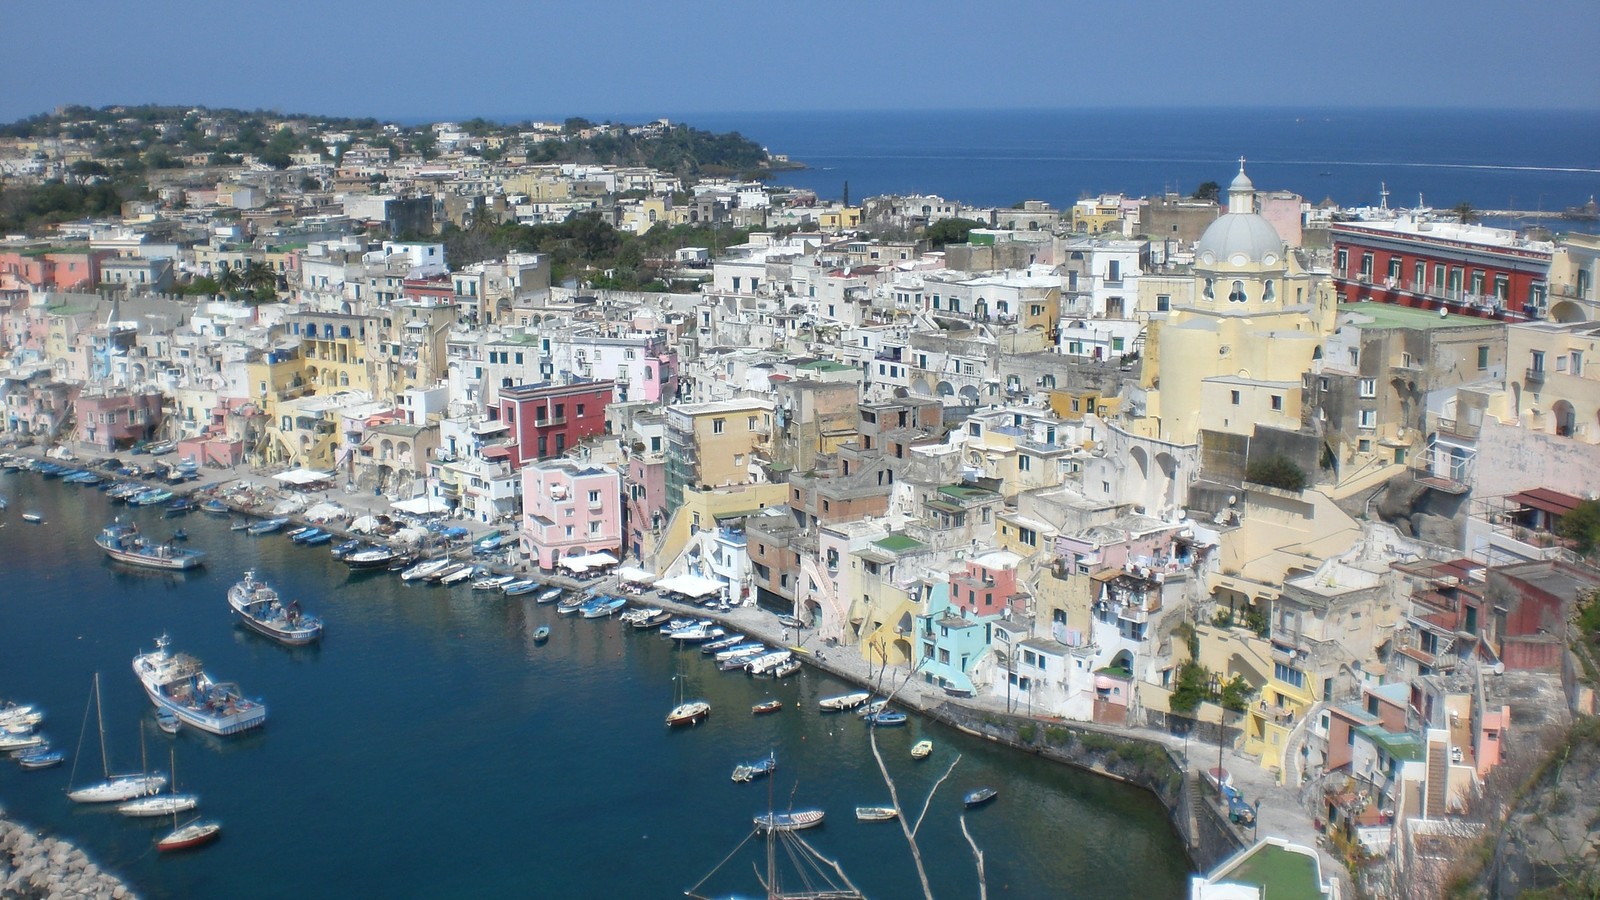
pixel 1239 233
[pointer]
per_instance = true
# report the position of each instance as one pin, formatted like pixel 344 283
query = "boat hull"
pixel 192 835
pixel 119 789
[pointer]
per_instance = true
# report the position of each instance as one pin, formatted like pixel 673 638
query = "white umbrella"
pixel 364 525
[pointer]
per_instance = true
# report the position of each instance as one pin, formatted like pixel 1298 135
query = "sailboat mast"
pixel 100 721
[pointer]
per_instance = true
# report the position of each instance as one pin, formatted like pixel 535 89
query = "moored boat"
pixel 518 588
pixel 886 718
pixel 177 682
pixel 571 606
pixel 541 634
pixel 548 595
pixel 168 721
pixel 115 787
pixel 191 835
pixel 844 701
pixel 751 771
pixel 795 820
pixel 42 757
pixel 456 576
pixel 653 619
pixel 371 558
pixel 159 805
pixel 692 712
pixel 33 518
pixel 215 507
pixel 124 544
pixel 876 813
pixel 721 643
pixel 426 569
pixel 979 796
pixel 602 607
pixel 764 664
pixel 766 706
pixel 785 669
pixel 260 608
pixel 921 749
pixel 492 582
pixel 307 535
pixel 266 526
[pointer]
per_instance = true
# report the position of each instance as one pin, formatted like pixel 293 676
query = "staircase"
pixel 1433 803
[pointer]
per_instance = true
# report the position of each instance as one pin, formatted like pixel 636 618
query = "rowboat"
pixel 886 718
pixel 751 771
pixel 876 813
pixel 844 701
pixel 979 796
pixel 541 634
pixel 921 749
pixel 766 706
pixel 789 821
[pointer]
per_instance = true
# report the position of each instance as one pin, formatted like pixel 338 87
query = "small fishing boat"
pixel 239 525
pixel 32 518
pixel 870 708
pixel 876 813
pixel 371 558
pixel 572 605
pixel 345 548
pixel 785 669
pixel 453 569
pixel 979 796
pixel 722 643
pixel 179 506
pixel 764 665
pixel 518 588
pixel 215 507
pixel 603 607
pixel 168 721
pixel 456 576
pixel 541 634
pixel 766 706
pixel 844 701
pixel 180 535
pixel 259 607
pixel 751 771
pixel 306 534
pixel 318 539
pixel 20 714
pixel 696 633
pixel 921 749
pixel 492 582
pixel 789 821
pixel 293 533
pixel 41 757
pixel 887 718
pixel 11 742
pixel 654 618
pixel 426 569
pixel 193 834
pixel 266 526
pixel 548 595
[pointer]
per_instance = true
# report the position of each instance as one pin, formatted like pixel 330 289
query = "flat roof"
pixel 1392 315
pixel 1281 874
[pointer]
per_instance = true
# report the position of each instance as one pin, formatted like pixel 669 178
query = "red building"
pixel 546 419
pixel 1468 269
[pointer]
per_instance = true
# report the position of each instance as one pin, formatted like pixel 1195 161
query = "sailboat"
pixel 812 875
pixel 161 804
pixel 115 787
pixel 687 712
pixel 191 834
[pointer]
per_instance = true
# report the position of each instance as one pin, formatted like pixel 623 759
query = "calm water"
pixel 429 748
pixel 1493 159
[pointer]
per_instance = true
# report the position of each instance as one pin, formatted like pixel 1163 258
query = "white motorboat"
pixel 767 662
pixel 844 701
pixel 427 568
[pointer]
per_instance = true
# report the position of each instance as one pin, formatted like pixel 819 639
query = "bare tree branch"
pixel 977 855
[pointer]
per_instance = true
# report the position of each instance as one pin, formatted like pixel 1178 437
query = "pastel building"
pixel 569 509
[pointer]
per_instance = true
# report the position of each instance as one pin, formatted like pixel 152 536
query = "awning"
pixel 421 506
pixel 634 575
pixel 588 561
pixel 1553 502
pixel 300 477
pixel 690 585
pixel 497 451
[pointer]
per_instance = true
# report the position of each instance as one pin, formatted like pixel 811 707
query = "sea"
pixel 429 747
pixel 1533 160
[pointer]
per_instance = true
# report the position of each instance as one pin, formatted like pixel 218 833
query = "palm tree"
pixel 230 280
pixel 260 281
pixel 1465 214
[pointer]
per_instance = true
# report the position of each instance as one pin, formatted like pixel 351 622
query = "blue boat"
pixel 179 506
pixel 525 586
pixel 345 548
pixel 979 796
pixel 124 543
pixel 41 757
pixel 215 507
pixel 752 771
pixel 602 607
pixel 306 535
pixel 318 539
pixel 266 526
pixel 176 682
pixel 541 634
pixel 885 718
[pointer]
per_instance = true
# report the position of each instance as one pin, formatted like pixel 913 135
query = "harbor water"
pixel 428 746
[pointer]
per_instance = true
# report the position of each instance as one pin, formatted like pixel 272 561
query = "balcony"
pixel 1534 375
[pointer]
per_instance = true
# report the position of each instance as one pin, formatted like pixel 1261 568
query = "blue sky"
pixel 413 60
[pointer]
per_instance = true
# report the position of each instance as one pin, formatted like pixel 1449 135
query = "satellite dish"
pixel 1444 312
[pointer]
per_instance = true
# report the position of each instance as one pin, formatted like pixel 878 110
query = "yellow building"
pixel 1256 316
pixel 839 218
pixel 715 444
pixel 700 509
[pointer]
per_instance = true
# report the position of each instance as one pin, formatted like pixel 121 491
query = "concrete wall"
pixel 1512 459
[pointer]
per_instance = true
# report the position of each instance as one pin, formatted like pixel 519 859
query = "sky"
pixel 411 60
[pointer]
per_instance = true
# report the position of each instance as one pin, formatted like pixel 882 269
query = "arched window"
pixel 1268 294
pixel 1210 289
pixel 648 373
pixel 1237 294
pixel 344 379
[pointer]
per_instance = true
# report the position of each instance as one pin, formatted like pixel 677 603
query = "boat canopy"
pixel 303 477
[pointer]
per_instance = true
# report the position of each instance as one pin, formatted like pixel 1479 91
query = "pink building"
pixel 111 422
pixel 56 270
pixel 570 509
pixel 988 585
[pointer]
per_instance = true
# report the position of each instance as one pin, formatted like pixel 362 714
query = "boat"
pixel 344 548
pixel 764 664
pixel 19 714
pixel 293 533
pixel 921 749
pixel 541 634
pixel 751 771
pixel 193 834
pixel 428 567
pixel 870 708
pixel 168 721
pixel 41 757
pixel 844 701
pixel 743 651
pixel 266 526
pixel 492 582
pixel 789 821
pixel 766 706
pixel 170 803
pixel 686 712
pixel 696 633
pixel 721 643
pixel 453 568
pixel 179 506
pixel 548 595
pixel 239 525
pixel 260 608
pixel 785 669
pixel 306 535
pixel 11 742
pixel 653 619
pixel 33 518
pixel 877 813
pixel 790 622
pixel 215 507
pixel 602 607
pixel 150 497
pixel 572 605
pixel 177 682
pixel 114 787
pixel 456 576
pixel 318 539
pixel 180 535
pixel 371 558
pixel 124 544
pixel 887 718
pixel 979 796
pixel 518 588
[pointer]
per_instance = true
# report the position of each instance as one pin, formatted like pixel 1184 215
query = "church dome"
pixel 1240 239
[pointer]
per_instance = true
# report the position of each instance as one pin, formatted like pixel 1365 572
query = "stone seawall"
pixel 35 867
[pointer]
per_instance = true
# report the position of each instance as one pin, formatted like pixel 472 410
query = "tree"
pixel 1582 526
pixel 950 231
pixel 1464 213
pixel 1208 190
pixel 230 281
pixel 260 282
pixel 426 143
pixel 1276 471
pixel 85 170
pixel 1192 687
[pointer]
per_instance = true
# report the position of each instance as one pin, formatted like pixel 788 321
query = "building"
pixel 1415 260
pixel 715 444
pixel 547 419
pixel 569 509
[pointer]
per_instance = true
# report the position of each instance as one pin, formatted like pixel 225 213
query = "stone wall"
pixel 1511 459
pixel 34 866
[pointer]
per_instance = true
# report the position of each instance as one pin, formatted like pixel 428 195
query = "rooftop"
pixel 1281 872
pixel 1391 315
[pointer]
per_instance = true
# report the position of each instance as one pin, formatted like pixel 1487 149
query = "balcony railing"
pixel 1534 376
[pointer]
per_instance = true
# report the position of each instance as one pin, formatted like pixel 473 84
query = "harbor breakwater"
pixel 36 867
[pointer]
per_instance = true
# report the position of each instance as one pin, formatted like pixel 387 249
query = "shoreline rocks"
pixel 36 866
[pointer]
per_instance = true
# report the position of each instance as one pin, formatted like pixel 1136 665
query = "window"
pixel 569 531
pixel 1369 418
pixel 1163 302
pixel 1234 396
pixel 1210 289
pixel 1289 675
pixel 1028 536
pixel 622 373
pixel 1277 403
pixel 1024 463
pixel 1394 268
pixel 1237 294
pixel 1343 261
pixel 1538 360
pixel 1367 387
pixel 717 425
pixel 750 424
pixel 1419 276
pixel 975 429
pixel 1483 357
pixel 594 527
pixel 594 497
